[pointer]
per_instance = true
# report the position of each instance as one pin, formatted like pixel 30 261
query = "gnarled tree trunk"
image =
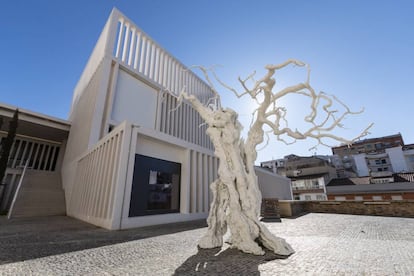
pixel 236 196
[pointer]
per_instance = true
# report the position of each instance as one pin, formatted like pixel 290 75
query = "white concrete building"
pixel 132 157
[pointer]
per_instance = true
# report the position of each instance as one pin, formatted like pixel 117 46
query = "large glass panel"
pixel 155 186
pixel 163 191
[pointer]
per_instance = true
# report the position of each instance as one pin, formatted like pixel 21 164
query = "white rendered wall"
pixel 272 185
pixel 361 164
pixel 121 82
pixel 85 127
pixel 134 101
pixel 397 159
pixel 198 170
pixel 409 158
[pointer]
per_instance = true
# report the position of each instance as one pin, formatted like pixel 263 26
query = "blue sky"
pixel 360 51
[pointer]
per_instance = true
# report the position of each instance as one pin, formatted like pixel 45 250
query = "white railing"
pixel 122 40
pixel 100 179
pixel 41 154
pixel 137 51
pixel 183 122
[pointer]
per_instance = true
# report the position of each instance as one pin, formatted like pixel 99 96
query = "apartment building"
pixel 377 157
pixel 308 175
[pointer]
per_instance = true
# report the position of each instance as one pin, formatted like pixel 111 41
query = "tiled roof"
pixel 349 181
pixel 383 187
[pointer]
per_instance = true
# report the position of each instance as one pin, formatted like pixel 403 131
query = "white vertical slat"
pixel 137 50
pixel 78 195
pixel 180 122
pixel 147 58
pixel 173 72
pixel 132 46
pixel 87 191
pixel 16 153
pixel 168 73
pixel 185 121
pixel 156 64
pixel 108 170
pixel 161 69
pixel 115 162
pixel 152 62
pixel 210 177
pixel 23 159
pixel 121 31
pixel 126 40
pixel 172 116
pixel 104 181
pixel 98 186
pixel 193 181
pixel 167 113
pixel 46 157
pixel 200 172
pixel 41 157
pixel 165 70
pixel 33 163
pixel 52 157
pixel 142 56
pixel 29 155
pixel 92 182
pixel 205 182
pixel 109 176
pixel 177 78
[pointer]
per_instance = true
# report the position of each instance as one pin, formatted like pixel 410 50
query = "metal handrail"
pixel 18 188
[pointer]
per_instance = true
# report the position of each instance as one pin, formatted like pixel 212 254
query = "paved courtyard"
pixel 325 244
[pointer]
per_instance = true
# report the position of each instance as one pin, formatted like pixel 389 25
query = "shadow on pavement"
pixel 29 238
pixel 227 262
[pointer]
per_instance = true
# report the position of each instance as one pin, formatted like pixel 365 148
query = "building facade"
pixel 135 156
pixel 377 157
pixel 308 175
pixel 130 155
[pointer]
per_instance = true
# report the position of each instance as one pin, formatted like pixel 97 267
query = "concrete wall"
pixel 272 185
pixel 134 101
pixel 86 119
pixel 403 208
pixel 361 165
pixel 397 159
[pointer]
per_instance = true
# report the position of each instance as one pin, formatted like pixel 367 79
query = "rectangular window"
pixel 359 198
pixel 376 197
pixel 308 197
pixel 340 198
pixel 155 186
pixel 396 197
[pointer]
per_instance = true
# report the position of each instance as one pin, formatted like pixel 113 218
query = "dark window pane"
pixel 155 186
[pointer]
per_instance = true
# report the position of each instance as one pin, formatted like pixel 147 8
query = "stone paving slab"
pixel 325 244
pixel 29 238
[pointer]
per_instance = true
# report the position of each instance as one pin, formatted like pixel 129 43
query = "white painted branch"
pixel 236 195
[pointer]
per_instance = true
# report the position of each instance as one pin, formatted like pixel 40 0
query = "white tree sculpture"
pixel 236 196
